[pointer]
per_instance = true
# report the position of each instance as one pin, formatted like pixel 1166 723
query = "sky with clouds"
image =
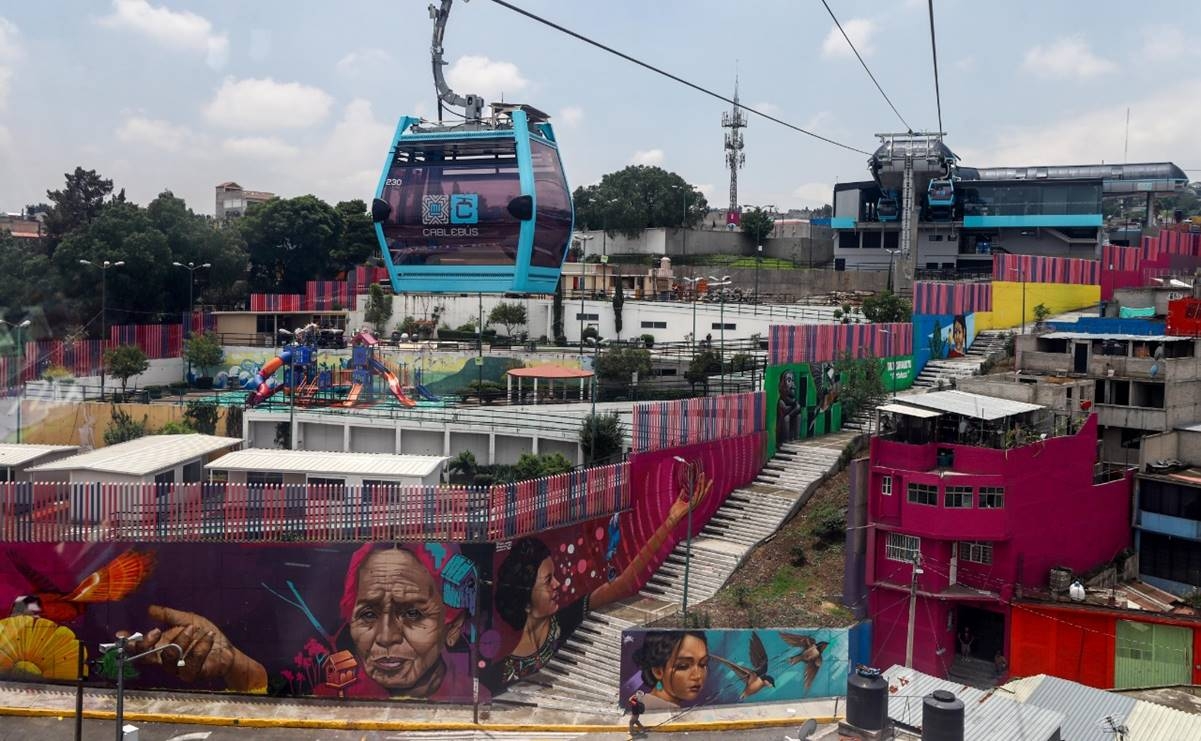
pixel 300 98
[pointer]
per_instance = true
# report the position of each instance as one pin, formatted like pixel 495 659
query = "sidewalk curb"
pixel 372 725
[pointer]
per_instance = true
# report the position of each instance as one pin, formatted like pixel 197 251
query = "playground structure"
pixel 311 384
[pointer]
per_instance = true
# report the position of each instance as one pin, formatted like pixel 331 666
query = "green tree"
pixel 509 315
pixel 619 300
pixel 636 198
pixel 757 224
pixel 289 241
pixel 192 238
pixel 379 307
pixel 616 364
pixel 886 306
pixel 202 416
pixel 80 201
pixel 1041 312
pixel 860 383
pixel 462 468
pixel 356 239
pixel 204 351
pixel 532 466
pixel 703 364
pixel 26 276
pixel 233 421
pixel 124 362
pixel 123 427
pixel 606 445
pixel 559 337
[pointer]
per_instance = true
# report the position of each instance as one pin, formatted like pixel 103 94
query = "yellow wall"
pixel 1058 297
pixel 84 423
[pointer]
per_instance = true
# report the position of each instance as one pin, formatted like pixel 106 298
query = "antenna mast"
pixel 735 121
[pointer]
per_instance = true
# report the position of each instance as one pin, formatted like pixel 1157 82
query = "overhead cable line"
pixel 670 76
pixel 865 68
pixel 934 52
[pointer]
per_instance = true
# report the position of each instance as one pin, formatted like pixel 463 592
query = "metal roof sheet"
pixel 1150 721
pixel 988 716
pixel 1085 708
pixel 19 454
pixel 977 406
pixel 323 462
pixel 143 456
pixel 908 410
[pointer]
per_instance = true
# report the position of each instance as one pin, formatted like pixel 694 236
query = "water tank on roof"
pixel 942 717
pixel 867 699
pixel 1059 579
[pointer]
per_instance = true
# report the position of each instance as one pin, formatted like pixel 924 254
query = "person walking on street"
pixel 637 707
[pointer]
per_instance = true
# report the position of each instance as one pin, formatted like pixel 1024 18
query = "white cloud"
pixel 1166 44
pixel 813 194
pixel 348 163
pixel 259 147
pixel 1066 58
pixel 708 190
pixel 1098 135
pixel 139 130
pixel 859 30
pixel 364 62
pixel 482 76
pixel 170 28
pixel 571 115
pixel 10 51
pixel 267 104
pixel 647 157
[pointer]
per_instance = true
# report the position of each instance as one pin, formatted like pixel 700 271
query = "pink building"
pixel 972 489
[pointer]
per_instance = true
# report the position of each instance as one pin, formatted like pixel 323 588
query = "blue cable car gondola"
pixel 480 206
pixel 887 208
pixel 941 192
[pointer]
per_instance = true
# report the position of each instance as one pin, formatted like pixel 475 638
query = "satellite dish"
pixel 1076 591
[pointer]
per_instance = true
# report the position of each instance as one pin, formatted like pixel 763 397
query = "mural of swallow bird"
pixel 755 676
pixel 810 653
pixel 110 583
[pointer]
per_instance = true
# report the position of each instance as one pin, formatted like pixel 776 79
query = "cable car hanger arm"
pixel 472 104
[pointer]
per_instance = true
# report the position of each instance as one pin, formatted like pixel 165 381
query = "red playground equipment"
pixel 365 364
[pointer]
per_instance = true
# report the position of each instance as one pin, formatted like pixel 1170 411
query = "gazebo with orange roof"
pixel 549 373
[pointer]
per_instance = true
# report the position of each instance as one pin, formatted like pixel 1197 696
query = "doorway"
pixel 1080 359
pixel 987 630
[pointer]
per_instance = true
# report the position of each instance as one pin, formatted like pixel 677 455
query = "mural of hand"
pixel 207 653
pixel 686 501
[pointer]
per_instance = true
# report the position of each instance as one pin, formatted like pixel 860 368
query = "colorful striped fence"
pixel 156 340
pixel 807 343
pixel 137 512
pixel 327 295
pixel 668 424
pixel 1171 252
pixel 931 297
pixel 277 302
pixel 203 321
pixel 1040 269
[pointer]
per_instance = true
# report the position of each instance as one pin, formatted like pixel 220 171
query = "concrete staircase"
pixel 585 673
pixel 985 345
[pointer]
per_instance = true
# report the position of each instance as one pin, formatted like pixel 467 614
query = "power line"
pixel 670 76
pixel 865 69
pixel 934 52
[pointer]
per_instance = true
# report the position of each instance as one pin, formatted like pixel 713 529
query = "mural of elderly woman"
pixel 397 631
pixel 675 665
pixel 527 596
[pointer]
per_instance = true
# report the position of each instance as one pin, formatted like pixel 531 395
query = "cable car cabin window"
pixel 450 203
pixel 552 225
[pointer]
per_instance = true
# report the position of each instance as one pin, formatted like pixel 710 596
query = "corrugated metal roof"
pixel 19 454
pixel 143 456
pixel 322 462
pixel 978 406
pixel 1112 336
pixel 988 716
pixel 1086 710
pixel 908 410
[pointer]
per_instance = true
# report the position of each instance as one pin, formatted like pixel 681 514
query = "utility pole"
pixel 691 469
pixel 917 570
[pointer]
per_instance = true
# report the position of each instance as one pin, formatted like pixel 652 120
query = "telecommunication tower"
pixel 735 121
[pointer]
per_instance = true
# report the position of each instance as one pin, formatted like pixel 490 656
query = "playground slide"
pixel 393 382
pixel 425 393
pixel 353 396
pixel 260 385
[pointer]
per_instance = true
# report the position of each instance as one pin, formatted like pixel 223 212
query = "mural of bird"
pixel 810 653
pixel 112 582
pixel 755 676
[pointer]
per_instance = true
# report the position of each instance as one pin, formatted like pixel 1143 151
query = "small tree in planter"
pixel 124 362
pixel 204 351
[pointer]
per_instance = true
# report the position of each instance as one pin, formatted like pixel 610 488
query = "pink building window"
pixel 958 497
pixel 886 486
pixel 923 494
pixel 992 497
pixel 901 547
pixel 975 551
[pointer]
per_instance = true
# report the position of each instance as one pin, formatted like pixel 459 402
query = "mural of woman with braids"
pixel 529 595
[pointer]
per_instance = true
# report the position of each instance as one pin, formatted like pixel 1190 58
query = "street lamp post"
pixel 104 266
pixel 692 283
pixel 596 343
pixel 722 283
pixel 20 354
pixel 583 271
pixel 191 267
pixel 120 646
pixel 690 468
pixel 758 262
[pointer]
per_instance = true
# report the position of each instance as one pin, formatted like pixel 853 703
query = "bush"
pixel 609 437
pixel 648 340
pixel 203 351
pixel 175 427
pixel 797 556
pixel 202 416
pixel 828 523
pixel 123 427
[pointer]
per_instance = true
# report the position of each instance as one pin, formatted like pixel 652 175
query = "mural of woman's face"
pixel 684 675
pixel 544 597
pixel 398 625
pixel 958 336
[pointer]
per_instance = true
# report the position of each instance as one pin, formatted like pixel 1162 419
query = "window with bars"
pixel 901 547
pixel 975 551
pixel 886 486
pixel 992 497
pixel 923 494
pixel 957 497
